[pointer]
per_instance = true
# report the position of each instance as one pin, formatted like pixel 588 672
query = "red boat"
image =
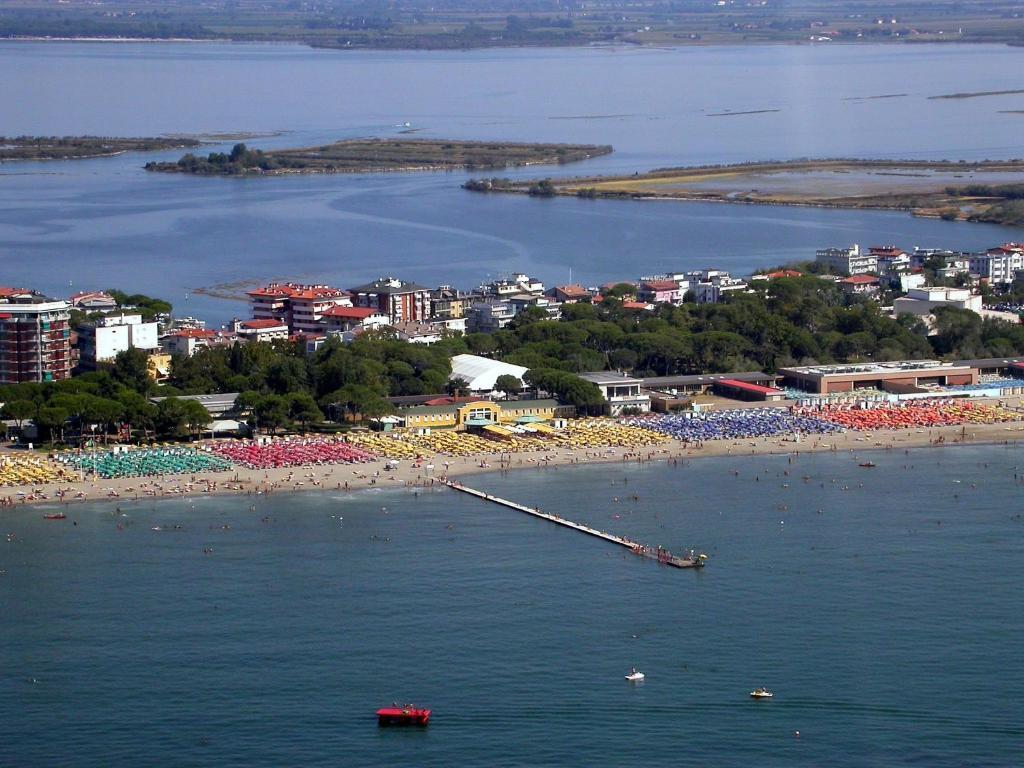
pixel 407 715
pixel 55 516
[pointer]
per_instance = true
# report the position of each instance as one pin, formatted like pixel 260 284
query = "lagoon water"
pixel 89 224
pixel 888 624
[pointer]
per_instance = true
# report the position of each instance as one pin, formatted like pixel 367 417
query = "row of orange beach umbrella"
pixel 916 415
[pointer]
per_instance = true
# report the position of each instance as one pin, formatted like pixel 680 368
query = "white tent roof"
pixel 482 372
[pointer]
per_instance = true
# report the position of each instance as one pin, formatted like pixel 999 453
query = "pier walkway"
pixel 651 553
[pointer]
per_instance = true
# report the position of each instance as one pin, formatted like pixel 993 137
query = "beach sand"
pixel 353 477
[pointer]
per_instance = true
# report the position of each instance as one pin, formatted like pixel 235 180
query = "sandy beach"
pixel 353 477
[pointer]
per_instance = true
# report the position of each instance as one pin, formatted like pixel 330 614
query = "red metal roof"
pixel 859 280
pixel 748 387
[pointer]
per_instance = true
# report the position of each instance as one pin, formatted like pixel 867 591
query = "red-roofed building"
pixel 267 329
pixel 299 307
pixel 187 340
pixel 1006 248
pixel 660 292
pixel 637 306
pixel 745 390
pixel 93 301
pixel 346 318
pixel 7 293
pixel 1000 264
pixel 451 400
pixel 570 294
pixel 860 285
pixel 783 273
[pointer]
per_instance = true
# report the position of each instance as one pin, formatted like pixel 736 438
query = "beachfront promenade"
pixel 656 553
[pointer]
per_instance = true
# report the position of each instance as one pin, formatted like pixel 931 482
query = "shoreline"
pixel 361 477
pixel 592 44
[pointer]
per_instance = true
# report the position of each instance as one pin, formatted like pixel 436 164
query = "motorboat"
pixel 55 516
pixel 634 676
pixel 761 693
pixel 403 715
pixel 867 464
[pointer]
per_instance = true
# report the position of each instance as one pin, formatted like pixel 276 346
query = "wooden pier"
pixel 658 554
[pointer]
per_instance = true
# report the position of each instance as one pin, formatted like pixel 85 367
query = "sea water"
pixel 881 605
pixel 77 225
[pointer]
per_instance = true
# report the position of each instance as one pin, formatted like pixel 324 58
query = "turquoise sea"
pixel 881 605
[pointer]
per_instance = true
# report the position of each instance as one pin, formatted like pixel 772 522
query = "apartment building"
pixel 300 307
pixel 35 337
pixel 401 301
pixel 101 341
pixel 848 261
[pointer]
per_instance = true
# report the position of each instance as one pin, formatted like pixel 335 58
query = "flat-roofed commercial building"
pixel 897 376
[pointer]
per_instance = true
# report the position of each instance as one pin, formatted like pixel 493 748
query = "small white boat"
pixel 634 676
pixel 761 693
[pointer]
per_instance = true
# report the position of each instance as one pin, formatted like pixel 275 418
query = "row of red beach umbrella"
pixel 292 453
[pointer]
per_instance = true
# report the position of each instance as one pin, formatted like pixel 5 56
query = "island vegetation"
pixel 80 147
pixel 463 24
pixel 379 155
pixel 939 189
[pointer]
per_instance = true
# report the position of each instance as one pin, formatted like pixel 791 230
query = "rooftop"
pixel 511 405
pixel 193 333
pixel 387 285
pixel 896 366
pixel 859 280
pixel 748 387
pixel 705 378
pixel 351 313
pixel 572 290
pixel 298 291
pixel 255 325
pixel 609 377
pixel 990 362
pixel 481 372
pixel 660 285
pixel 416 329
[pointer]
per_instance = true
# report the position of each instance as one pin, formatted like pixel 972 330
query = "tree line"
pixel 787 321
